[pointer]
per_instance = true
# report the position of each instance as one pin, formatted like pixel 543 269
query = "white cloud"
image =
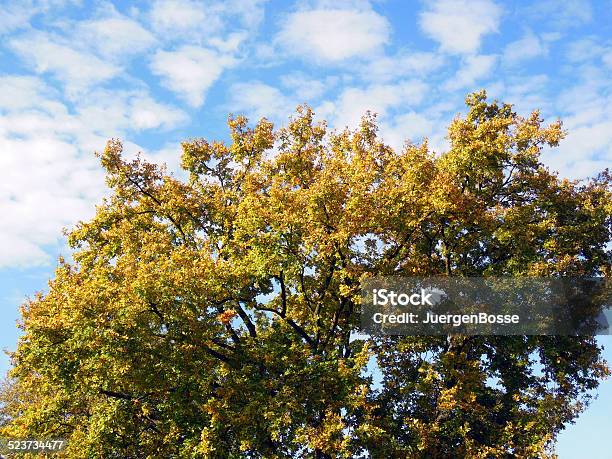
pixel 408 64
pixel 201 22
pixel 568 13
pixel 83 53
pixel 589 50
pixel 249 13
pixel 50 177
pixel 583 50
pixel 145 113
pixel 190 71
pixel 528 47
pixel 56 188
pixel 525 92
pixel 180 17
pixel 473 69
pixel 15 15
pixel 115 36
pixel 585 151
pixel 459 25
pixel 77 69
pixel 258 100
pixel 229 44
pixel 333 34
pixel 307 89
pixel 585 111
pixel 17 251
pixel 21 91
pixel 410 126
pixel 353 103
pixel 113 112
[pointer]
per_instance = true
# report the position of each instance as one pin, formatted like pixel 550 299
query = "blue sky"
pixel 152 73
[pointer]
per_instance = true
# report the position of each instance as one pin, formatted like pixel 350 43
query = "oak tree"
pixel 215 316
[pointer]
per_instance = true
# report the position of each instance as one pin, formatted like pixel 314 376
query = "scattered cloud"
pixel 569 13
pixel 307 89
pixel 52 178
pixel 77 69
pixel 22 91
pixel 15 15
pixel 258 100
pixel 115 36
pixel 585 111
pixel 190 71
pixel 333 34
pixel 528 47
pixel 116 111
pixel 181 17
pixel 473 69
pixel 230 44
pixel 402 65
pixel 410 126
pixel 588 49
pixel 202 22
pixel 354 102
pixel 526 93
pixel 56 188
pixel 459 25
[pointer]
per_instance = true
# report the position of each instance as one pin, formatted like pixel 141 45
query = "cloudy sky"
pixel 75 73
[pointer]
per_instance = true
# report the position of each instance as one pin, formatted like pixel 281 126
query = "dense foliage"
pixel 215 317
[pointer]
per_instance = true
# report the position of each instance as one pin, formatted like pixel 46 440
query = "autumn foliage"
pixel 215 317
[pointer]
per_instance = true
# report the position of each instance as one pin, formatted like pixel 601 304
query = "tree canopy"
pixel 215 317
